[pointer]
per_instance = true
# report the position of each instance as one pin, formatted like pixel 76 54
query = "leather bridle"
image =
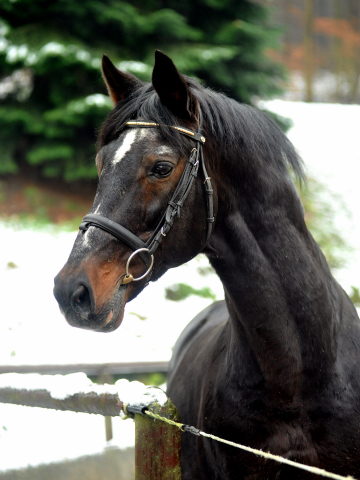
pixel 146 249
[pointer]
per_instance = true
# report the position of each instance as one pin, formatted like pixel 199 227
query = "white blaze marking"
pixel 129 139
pixel 126 145
pixel 119 155
pixel 86 238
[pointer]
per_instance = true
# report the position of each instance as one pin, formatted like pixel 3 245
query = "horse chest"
pixel 307 433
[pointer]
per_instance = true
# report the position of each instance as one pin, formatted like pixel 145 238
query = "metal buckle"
pixel 128 277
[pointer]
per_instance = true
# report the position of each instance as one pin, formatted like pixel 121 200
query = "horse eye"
pixel 162 169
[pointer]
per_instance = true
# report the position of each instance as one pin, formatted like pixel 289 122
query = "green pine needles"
pixel 52 99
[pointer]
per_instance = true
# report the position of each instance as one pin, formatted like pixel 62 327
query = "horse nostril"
pixel 80 300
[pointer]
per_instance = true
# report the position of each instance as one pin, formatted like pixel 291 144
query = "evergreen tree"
pixel 52 98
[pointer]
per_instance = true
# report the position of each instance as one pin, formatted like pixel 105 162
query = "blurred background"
pixel 297 59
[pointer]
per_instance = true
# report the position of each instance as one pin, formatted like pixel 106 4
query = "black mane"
pixel 244 132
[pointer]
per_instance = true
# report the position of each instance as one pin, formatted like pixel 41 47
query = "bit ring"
pixel 127 274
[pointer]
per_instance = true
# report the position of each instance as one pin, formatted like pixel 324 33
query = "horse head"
pixel 149 143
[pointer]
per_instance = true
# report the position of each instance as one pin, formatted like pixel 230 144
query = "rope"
pixel 269 456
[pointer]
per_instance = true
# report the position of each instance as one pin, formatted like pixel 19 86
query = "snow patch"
pixel 53 48
pixel 134 67
pixel 136 393
pixel 59 386
pixel 65 386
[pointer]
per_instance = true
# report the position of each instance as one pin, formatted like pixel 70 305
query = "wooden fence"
pixel 157 444
pixel 91 369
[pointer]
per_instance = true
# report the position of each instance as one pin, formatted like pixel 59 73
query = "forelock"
pixel 143 104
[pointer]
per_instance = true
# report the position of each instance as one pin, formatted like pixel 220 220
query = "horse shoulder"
pixel 191 353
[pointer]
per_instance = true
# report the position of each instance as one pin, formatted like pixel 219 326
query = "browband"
pixel 185 131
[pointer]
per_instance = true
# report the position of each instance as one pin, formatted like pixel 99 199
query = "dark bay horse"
pixel 276 366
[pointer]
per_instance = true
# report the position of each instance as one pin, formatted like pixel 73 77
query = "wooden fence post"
pixel 158 445
pixel 107 378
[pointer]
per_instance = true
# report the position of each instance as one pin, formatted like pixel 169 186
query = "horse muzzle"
pixel 77 302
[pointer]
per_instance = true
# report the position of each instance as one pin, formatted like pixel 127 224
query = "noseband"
pixel 146 249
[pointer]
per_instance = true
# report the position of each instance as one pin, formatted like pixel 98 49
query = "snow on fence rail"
pixel 94 369
pixel 157 445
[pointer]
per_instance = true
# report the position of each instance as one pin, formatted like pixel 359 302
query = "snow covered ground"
pixel 32 331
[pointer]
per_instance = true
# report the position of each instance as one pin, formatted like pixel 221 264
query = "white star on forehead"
pixel 139 134
pixel 125 146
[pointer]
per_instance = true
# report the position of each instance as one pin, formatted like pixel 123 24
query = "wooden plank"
pixel 106 404
pixel 89 368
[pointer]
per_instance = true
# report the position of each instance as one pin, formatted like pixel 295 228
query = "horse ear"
pixel 119 84
pixel 172 87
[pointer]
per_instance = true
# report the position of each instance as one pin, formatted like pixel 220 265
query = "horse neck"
pixel 278 287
